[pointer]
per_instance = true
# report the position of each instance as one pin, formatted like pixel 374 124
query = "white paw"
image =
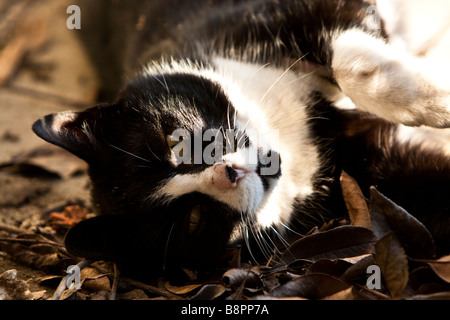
pixel 391 83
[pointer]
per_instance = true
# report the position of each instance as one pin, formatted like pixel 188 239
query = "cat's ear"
pixel 78 132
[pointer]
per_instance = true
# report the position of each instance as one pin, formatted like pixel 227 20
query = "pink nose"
pixel 226 176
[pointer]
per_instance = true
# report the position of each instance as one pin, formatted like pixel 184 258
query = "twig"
pixel 32 241
pixel 112 296
pixel 62 285
pixel 11 229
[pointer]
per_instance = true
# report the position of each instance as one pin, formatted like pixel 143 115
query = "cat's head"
pixel 173 177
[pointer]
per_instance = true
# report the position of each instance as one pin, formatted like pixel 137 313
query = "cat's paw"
pixel 391 83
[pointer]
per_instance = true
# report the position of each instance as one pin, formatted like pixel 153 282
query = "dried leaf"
pixel 311 286
pixel 346 294
pixel 433 296
pixel 95 280
pixel 334 267
pixel 237 276
pixel 70 216
pixel 341 242
pixel 12 288
pixel 442 267
pixel 392 260
pixel 135 294
pixel 355 202
pixel 358 270
pixel 182 289
pixel 412 234
pixel 209 292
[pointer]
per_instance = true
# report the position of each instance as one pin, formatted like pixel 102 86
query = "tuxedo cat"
pixel 242 138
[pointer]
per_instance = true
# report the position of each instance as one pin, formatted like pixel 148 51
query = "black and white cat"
pixel 244 141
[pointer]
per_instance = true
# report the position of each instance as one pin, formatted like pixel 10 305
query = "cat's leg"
pixel 390 82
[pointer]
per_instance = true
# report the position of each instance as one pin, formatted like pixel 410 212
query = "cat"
pixel 241 139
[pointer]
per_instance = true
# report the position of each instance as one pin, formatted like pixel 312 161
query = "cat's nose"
pixel 226 176
pixel 231 173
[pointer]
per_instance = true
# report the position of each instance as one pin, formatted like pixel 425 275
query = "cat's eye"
pixel 194 218
pixel 171 142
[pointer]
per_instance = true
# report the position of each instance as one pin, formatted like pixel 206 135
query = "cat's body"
pixel 267 98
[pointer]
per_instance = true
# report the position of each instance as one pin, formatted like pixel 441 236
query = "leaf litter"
pixel 330 263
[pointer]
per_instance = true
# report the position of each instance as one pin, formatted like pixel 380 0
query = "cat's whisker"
pixel 260 241
pixel 266 246
pixel 167 247
pixel 280 236
pixel 291 230
pixel 165 86
pixel 150 149
pixel 244 229
pixel 165 82
pixel 279 78
pixel 145 167
pixel 129 153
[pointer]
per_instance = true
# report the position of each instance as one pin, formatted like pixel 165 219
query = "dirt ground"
pixel 44 69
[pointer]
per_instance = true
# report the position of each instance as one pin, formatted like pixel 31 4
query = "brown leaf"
pixel 392 260
pixel 135 294
pixel 358 270
pixel 412 234
pixel 12 288
pixel 70 216
pixel 432 296
pixel 346 294
pixel 355 202
pixel 334 267
pixel 182 289
pixel 341 242
pixel 442 267
pixel 209 292
pixel 311 286
pixel 237 276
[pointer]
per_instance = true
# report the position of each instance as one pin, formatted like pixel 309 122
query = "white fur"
pixel 271 100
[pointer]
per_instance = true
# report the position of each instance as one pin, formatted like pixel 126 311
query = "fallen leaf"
pixel 12 288
pixel 332 267
pixel 341 242
pixel 355 202
pixel 311 286
pixel 358 270
pixel 135 294
pixel 391 258
pixel 346 294
pixel 209 292
pixel 441 267
pixel 432 296
pixel 412 234
pixel 70 216
pixel 182 289
pixel 237 276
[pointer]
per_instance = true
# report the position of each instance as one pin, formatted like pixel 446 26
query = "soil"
pixel 53 76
